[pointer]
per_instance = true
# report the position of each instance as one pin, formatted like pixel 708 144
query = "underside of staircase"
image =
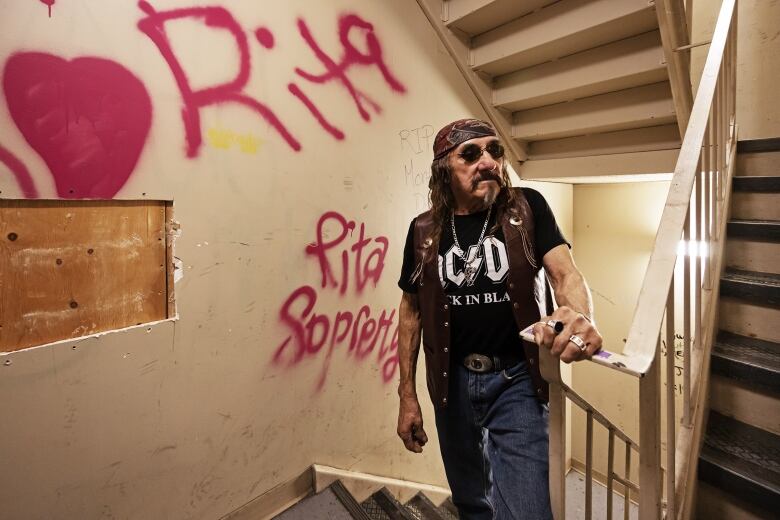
pixel 581 90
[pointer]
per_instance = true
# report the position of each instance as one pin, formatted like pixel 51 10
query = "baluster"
pixel 650 438
pixel 706 197
pixel 589 467
pixel 670 402
pixel 610 472
pixel 687 228
pixel 627 476
pixel 697 272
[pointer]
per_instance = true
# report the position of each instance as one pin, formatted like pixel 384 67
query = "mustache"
pixel 488 175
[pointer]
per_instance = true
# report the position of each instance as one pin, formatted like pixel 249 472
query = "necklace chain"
pixel 481 235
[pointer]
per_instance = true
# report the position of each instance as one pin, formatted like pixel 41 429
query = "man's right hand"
pixel 410 424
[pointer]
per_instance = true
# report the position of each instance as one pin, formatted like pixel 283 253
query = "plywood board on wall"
pixel 73 268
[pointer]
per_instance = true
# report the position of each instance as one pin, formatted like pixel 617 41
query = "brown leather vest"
pixel 525 286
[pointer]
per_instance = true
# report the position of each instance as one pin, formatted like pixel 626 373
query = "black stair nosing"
pixel 426 507
pixel 746 444
pixel 752 374
pixel 356 511
pixel 755 184
pixel 736 357
pixel 725 478
pixel 755 287
pixel 725 460
pixel 767 230
pixel 771 144
pixel 394 509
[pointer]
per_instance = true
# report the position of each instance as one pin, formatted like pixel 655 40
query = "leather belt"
pixel 482 364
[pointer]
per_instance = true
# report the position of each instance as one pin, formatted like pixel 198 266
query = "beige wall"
pixel 193 418
pixel 614 230
pixel 758 72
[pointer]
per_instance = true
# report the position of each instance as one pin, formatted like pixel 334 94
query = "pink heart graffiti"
pixel 88 119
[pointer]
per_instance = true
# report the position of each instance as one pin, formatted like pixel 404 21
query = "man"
pixel 471 281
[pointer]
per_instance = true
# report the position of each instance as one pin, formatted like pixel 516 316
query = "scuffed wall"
pixel 294 139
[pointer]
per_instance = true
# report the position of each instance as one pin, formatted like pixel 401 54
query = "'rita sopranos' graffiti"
pixel 350 262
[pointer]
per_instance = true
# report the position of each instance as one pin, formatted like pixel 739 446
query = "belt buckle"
pixel 478 363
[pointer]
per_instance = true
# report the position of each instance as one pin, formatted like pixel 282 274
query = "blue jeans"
pixel 494 443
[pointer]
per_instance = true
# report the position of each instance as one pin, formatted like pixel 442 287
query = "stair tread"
pixel 752 360
pixel 738 275
pixel 750 183
pixel 745 451
pixel 423 509
pixel 754 221
pixel 383 505
pixel 757 230
pixel 748 350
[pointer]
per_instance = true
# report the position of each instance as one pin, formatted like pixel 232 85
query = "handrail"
pixel 643 334
pixel 696 208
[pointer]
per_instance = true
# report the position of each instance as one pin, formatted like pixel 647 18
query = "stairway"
pixel 739 466
pixel 577 88
pixel 336 503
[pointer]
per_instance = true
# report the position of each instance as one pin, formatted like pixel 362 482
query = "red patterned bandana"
pixel 458 132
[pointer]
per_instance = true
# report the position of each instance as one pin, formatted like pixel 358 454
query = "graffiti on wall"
pixel 88 118
pixel 49 4
pixel 350 261
pixel 350 26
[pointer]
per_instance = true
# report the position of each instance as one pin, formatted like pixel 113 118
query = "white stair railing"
pixel 695 213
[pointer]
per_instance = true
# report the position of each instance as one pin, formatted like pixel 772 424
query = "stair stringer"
pixel 690 439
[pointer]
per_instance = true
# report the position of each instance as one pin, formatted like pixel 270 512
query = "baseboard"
pixel 363 485
pixel 276 499
pixel 601 479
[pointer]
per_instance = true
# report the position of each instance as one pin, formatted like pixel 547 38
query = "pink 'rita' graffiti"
pixel 313 334
pixel 233 91
pixel 88 119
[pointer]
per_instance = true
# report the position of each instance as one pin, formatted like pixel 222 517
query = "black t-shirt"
pixel 481 316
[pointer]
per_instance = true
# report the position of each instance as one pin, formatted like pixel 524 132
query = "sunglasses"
pixel 472 152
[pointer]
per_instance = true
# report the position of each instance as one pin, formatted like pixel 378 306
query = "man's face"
pixel 477 181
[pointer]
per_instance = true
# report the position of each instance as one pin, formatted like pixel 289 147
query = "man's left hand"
pixel 561 344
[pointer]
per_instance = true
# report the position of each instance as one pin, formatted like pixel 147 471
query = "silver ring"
pixel 578 341
pixel 557 326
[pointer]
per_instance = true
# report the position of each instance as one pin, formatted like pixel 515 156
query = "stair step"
pixel 753 255
pixel 637 107
pixel 561 29
pixel 756 184
pixel 603 168
pixel 477 16
pixel 742 460
pixel 382 505
pixel 758 288
pixel 758 164
pixel 329 503
pixel 666 137
pixel 749 319
pixel 756 229
pixel 632 62
pixel 749 359
pixel 422 508
pixel 771 144
pixel 755 205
